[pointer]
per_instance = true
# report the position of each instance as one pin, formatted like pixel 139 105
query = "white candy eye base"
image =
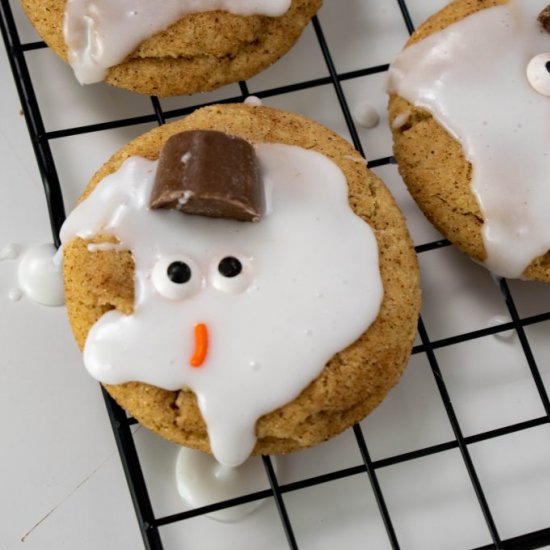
pixel 231 274
pixel 538 73
pixel 176 277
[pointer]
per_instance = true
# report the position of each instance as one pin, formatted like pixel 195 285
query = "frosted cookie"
pixel 469 108
pixel 266 335
pixel 188 46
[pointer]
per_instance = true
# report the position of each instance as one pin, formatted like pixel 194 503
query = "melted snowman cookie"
pixel 239 337
pixel 474 83
pixel 187 46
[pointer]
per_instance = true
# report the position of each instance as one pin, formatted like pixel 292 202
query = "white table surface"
pixel 61 482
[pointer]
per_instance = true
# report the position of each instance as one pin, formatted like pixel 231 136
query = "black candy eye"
pixel 179 272
pixel 548 66
pixel 230 267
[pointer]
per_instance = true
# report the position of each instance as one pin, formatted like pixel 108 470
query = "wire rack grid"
pixel 149 522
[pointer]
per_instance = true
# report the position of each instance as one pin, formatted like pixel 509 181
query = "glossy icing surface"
pixel 39 276
pixel 312 287
pixel 476 78
pixel 101 33
pixel 202 480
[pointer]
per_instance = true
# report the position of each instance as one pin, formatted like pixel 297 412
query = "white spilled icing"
pixel 254 101
pixel 498 320
pixel 15 294
pixel 101 33
pixel 366 115
pixel 472 76
pixel 315 267
pixel 40 277
pixel 202 480
pixel 10 252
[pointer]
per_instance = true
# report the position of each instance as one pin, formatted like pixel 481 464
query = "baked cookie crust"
pixel 354 382
pixel 433 165
pixel 198 53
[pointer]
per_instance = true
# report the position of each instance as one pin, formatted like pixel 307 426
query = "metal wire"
pixel 148 523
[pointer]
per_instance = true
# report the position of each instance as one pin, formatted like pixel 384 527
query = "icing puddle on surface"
pixel 202 480
pixel 39 276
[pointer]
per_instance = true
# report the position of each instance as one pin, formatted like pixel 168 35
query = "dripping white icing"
pixel 472 76
pixel 101 33
pixel 202 480
pixel 313 266
pixel 39 275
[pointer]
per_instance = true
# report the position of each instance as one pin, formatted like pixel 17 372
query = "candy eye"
pixel 176 277
pixel 538 73
pixel 231 274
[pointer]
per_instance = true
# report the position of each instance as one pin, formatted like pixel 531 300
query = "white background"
pixel 61 483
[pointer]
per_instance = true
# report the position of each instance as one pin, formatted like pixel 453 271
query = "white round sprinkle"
pixel 201 480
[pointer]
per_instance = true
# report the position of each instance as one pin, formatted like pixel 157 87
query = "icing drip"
pixel 311 287
pixel 39 275
pixel 202 481
pixel 102 33
pixel 472 77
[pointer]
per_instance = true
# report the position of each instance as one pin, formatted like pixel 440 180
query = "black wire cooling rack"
pixel 149 523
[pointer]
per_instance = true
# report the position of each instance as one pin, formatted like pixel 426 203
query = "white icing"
pixel 9 252
pixel 309 244
pixel 40 277
pixel 366 116
pixel 202 480
pixel 400 120
pixel 103 247
pixel 101 33
pixel 15 294
pixel 254 101
pixel 472 77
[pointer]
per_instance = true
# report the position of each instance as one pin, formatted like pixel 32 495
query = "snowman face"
pixel 486 79
pixel 244 314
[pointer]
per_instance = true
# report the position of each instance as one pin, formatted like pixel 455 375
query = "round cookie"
pixel 200 52
pixel 433 162
pixel 354 381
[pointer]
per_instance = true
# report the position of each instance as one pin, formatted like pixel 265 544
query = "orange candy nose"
pixel 201 345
